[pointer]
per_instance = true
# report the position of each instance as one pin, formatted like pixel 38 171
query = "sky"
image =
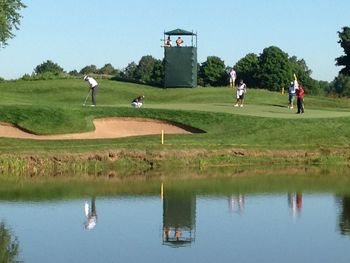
pixel 77 33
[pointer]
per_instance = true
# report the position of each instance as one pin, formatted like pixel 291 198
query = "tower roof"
pixel 179 32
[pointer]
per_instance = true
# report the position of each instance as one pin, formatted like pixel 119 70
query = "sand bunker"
pixel 104 128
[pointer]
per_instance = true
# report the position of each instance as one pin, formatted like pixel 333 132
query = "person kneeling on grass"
pixel 137 102
pixel 241 90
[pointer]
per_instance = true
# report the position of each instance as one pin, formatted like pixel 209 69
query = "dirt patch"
pixel 105 128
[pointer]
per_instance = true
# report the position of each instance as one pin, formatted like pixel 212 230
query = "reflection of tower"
pixel 344 215
pixel 179 216
pixel 91 215
pixel 295 202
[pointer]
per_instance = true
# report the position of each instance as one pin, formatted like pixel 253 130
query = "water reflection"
pixel 236 203
pixel 9 246
pixel 179 217
pixel 344 215
pixel 90 214
pixel 210 220
pixel 295 203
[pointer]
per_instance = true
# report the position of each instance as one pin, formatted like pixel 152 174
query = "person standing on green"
pixel 300 99
pixel 94 87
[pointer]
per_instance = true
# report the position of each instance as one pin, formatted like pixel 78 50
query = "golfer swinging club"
pixel 94 87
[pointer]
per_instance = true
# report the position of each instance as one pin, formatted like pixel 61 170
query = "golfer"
pixel 232 77
pixel 291 95
pixel 241 90
pixel 94 87
pixel 137 102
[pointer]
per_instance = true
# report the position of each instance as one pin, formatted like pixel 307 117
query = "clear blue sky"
pixel 76 33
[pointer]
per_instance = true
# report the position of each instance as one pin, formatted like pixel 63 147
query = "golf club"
pixel 87 96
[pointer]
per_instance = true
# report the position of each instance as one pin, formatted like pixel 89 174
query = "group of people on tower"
pixel 179 41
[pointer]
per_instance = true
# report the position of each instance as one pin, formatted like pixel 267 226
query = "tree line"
pixel 272 69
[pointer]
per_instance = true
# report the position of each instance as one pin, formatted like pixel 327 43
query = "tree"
pixel 107 69
pixel 9 19
pixel 344 60
pixel 340 85
pixel 9 245
pixel 303 73
pixel 48 67
pixel 247 68
pixel 74 73
pixel 212 72
pixel 145 68
pixel 129 72
pixel 157 76
pixel 92 69
pixel 274 69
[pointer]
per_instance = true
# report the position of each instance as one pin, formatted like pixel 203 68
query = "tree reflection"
pixel 344 215
pixel 9 246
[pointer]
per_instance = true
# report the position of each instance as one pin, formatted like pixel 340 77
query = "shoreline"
pixel 132 162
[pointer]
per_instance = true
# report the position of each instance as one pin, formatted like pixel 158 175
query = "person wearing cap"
pixel 232 77
pixel 179 42
pixel 94 87
pixel 291 95
pixel 241 91
pixel 137 102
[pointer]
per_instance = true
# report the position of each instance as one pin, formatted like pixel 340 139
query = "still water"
pixel 178 224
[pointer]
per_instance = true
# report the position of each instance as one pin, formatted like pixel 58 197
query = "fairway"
pixel 53 107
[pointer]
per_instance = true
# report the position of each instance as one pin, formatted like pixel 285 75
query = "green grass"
pixel 55 106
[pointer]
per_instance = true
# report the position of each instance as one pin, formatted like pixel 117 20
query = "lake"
pixel 302 217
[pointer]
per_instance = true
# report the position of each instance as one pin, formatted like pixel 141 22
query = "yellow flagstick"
pixel 162 137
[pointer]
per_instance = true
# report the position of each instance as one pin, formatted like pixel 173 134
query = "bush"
pixel 212 72
pixel 48 67
pixel 340 86
pixel 46 76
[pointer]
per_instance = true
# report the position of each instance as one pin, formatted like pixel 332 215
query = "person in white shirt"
pixel 94 87
pixel 241 90
pixel 137 102
pixel 232 77
pixel 179 42
pixel 291 95
pixel 167 42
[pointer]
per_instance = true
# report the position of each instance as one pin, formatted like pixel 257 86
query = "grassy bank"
pixel 219 182
pixel 265 130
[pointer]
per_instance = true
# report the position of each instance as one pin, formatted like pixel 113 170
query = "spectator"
pixel 168 42
pixel 179 42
